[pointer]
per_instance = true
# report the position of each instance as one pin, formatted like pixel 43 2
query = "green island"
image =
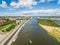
pixel 55 33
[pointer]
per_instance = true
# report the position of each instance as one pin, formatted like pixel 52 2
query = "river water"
pixel 57 21
pixel 33 34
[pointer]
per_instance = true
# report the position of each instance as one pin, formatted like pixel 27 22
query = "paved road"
pixel 33 34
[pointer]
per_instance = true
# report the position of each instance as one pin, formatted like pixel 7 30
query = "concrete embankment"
pixel 16 34
pixel 12 35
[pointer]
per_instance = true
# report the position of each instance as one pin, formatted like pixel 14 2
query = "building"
pixel 2 21
pixel 18 21
pixel 12 19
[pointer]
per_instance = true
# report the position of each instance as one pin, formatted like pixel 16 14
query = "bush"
pixel 2 30
pixel 8 29
pixel 11 27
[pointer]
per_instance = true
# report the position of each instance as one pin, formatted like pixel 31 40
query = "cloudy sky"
pixel 29 7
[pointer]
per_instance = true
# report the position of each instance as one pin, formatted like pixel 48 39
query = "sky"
pixel 29 7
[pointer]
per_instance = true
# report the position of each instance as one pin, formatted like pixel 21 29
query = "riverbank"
pixel 53 31
pixel 12 32
pixel 13 39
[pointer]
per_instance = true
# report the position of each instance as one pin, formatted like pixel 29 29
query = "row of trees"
pixel 48 22
pixel 9 28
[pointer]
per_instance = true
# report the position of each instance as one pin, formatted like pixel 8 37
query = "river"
pixel 33 34
pixel 57 21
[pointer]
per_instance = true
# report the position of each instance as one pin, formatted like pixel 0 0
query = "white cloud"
pixel 42 1
pixel 58 11
pixel 13 4
pixel 45 0
pixel 3 4
pixel 58 1
pixel 23 3
pixel 38 12
pixel 48 12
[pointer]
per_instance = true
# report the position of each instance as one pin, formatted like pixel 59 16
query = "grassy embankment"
pixel 9 25
pixel 49 24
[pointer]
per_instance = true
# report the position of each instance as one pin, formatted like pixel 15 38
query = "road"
pixel 33 34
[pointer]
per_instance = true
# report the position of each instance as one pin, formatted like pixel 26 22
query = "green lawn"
pixel 8 26
pixel 2 27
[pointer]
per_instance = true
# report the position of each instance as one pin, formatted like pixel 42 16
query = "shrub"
pixel 11 27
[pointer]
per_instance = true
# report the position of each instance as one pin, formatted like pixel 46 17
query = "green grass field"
pixel 8 26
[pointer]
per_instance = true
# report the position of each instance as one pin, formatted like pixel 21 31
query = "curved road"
pixel 33 34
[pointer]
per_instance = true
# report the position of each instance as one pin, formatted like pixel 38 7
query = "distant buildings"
pixel 2 21
pixel 12 19
pixel 18 21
